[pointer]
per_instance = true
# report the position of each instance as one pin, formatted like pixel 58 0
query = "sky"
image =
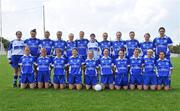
pixel 92 16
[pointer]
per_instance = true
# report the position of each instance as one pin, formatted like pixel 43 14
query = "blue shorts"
pixel 75 79
pixel 15 60
pixel 164 80
pixel 90 80
pixel 149 80
pixel 121 79
pixel 136 79
pixel 27 78
pixel 107 79
pixel 59 79
pixel 43 76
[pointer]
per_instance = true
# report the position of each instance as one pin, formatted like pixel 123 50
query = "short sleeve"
pixel 170 42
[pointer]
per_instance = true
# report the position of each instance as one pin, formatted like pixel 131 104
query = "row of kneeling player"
pixel 144 72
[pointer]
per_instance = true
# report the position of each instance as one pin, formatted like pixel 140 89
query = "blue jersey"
pixel 118 45
pixel 131 45
pixel 163 67
pixel 82 46
pixel 61 44
pixel 48 44
pixel 161 44
pixel 106 64
pixel 33 44
pixel 75 64
pixel 105 44
pixel 16 47
pixel 145 46
pixel 91 65
pixel 70 46
pixel 121 65
pixel 149 66
pixel 43 63
pixel 27 64
pixel 59 64
pixel 136 65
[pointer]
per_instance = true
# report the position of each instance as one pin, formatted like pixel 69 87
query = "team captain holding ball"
pixel 96 65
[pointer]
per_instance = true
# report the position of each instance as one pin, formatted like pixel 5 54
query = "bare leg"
pixel 23 86
pixel 71 86
pixel 159 87
pixel 56 86
pixel 167 88
pixel 78 86
pixel 139 87
pixel 46 85
pixel 125 87
pixel 88 87
pixel 40 85
pixel 62 86
pixel 132 86
pixel 32 85
pixel 117 87
pixel 111 86
pixel 153 87
pixel 146 87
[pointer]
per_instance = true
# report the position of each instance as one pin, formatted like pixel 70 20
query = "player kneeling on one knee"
pixel 149 75
pixel 43 63
pixel 121 66
pixel 91 77
pixel 164 69
pixel 75 71
pixel 106 66
pixel 136 63
pixel 59 73
pixel 27 69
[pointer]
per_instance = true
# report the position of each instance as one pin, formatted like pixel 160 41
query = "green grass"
pixel 15 99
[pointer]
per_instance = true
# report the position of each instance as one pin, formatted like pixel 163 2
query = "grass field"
pixel 15 99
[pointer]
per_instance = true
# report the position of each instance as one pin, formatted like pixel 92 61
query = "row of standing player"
pixel 159 44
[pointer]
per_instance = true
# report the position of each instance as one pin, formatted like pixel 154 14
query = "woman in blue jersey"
pixel 59 63
pixel 121 66
pixel 136 63
pixel 27 69
pixel 164 71
pixel 149 74
pixel 43 67
pixel 106 65
pixel 91 75
pixel 75 71
pixel 15 52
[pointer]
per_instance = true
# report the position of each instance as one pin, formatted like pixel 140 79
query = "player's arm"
pixel 9 52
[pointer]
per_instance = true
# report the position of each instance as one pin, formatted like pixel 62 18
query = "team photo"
pixel 89 55
pixel 126 64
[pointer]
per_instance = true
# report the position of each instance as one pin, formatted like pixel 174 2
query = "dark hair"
pixel 75 49
pixel 33 30
pixel 18 32
pixel 92 35
pixel 138 50
pixel 147 34
pixel 47 31
pixel 123 50
pixel 58 49
pixel 162 28
pixel 162 52
pixel 131 32
pixel 105 49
